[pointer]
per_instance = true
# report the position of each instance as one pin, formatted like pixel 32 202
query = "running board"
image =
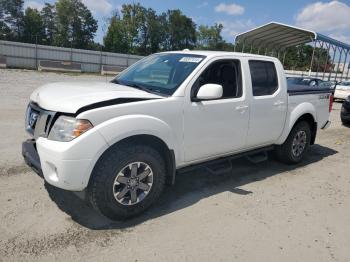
pixel 222 167
pixel 258 157
pixel 223 164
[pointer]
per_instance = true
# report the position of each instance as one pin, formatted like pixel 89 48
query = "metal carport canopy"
pixel 280 36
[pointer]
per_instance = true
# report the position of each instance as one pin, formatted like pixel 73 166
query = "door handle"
pixel 241 108
pixel 278 103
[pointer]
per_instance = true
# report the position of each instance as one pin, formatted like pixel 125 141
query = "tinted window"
pixel 264 78
pixel 226 73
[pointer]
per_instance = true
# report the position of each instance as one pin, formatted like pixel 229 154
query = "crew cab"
pixel 121 142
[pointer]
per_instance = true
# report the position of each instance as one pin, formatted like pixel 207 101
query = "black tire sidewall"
pixel 103 197
pixel 284 152
pixel 301 126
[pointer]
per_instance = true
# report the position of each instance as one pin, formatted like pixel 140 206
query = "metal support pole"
pixel 330 71
pixel 319 58
pixel 265 50
pixel 336 72
pixel 284 57
pixel 312 58
pixel 342 72
pixel 279 53
pixel 243 45
pixel 347 74
pixel 326 63
pixel 298 52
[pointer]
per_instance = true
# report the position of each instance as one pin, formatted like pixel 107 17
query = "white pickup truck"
pixel 121 142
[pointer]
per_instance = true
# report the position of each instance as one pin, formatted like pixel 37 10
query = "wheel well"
pixel 161 147
pixel 313 125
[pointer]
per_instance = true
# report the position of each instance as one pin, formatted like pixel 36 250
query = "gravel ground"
pixel 261 212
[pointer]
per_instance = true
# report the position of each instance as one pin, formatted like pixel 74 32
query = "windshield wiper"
pixel 135 85
pixel 149 90
pixel 115 81
pixel 138 86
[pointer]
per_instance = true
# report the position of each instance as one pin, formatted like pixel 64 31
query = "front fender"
pixel 116 129
pixel 294 115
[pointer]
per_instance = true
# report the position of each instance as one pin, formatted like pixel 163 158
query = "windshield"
pixel 160 73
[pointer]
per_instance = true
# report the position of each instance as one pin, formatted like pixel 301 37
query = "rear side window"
pixel 264 77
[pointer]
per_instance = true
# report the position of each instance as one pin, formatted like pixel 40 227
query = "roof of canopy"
pixel 279 36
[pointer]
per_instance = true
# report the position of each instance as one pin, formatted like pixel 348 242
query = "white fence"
pixel 22 55
pixel 341 76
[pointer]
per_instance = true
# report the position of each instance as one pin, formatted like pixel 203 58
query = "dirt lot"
pixel 262 212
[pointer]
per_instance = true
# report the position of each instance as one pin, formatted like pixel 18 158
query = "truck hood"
pixel 69 97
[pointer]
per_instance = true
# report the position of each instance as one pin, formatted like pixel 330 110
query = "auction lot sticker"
pixel 189 59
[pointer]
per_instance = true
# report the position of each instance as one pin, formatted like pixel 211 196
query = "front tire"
pixel 294 148
pixel 126 181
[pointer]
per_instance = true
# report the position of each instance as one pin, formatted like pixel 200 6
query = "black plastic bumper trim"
pixel 31 156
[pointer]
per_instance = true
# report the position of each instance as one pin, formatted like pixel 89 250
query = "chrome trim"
pixel 43 123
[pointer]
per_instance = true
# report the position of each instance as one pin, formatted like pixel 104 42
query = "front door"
pixel 218 126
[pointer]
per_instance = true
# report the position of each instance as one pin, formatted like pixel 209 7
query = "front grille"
pixel 38 121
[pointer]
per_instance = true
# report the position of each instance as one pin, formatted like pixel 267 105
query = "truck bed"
pixel 293 89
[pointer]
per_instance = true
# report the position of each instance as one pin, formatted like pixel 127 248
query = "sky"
pixel 331 18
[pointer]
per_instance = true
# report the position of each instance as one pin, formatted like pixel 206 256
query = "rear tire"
pixel 344 122
pixel 294 148
pixel 119 187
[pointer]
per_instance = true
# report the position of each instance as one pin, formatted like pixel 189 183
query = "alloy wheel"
pixel 133 183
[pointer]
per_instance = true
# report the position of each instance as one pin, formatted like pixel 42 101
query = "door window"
pixel 226 73
pixel 264 77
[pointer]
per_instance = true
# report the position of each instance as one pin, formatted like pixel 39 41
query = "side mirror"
pixel 208 92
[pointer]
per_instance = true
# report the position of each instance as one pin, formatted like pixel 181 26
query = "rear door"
pixel 268 105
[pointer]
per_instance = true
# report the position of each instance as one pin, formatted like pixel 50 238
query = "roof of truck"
pixel 208 53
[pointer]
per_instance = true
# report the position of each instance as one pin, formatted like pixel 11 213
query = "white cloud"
pixel 341 37
pixel 33 4
pixel 99 6
pixel 324 17
pixel 231 9
pixel 233 28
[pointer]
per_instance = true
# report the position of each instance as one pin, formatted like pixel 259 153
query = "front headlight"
pixel 67 128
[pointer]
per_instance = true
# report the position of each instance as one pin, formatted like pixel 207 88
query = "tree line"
pixel 134 29
pixel 67 23
pixel 140 30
